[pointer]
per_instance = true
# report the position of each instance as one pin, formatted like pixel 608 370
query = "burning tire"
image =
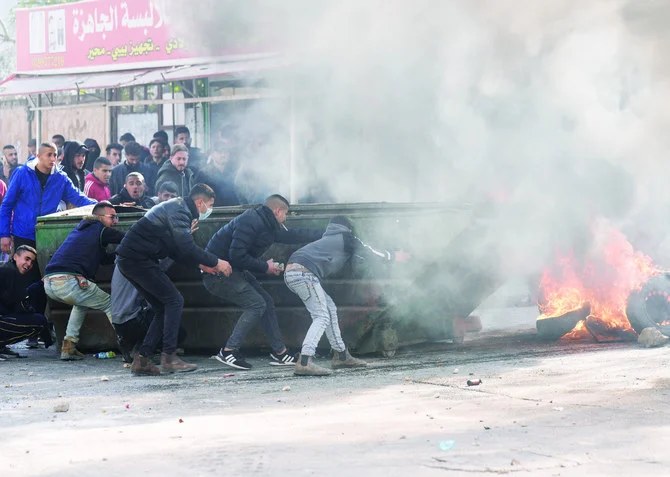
pixel 650 306
pixel 554 327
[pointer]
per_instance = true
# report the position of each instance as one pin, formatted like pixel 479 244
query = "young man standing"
pixel 69 276
pixel 242 241
pixel 176 170
pixel 133 192
pixel 132 164
pixel 155 161
pixel 113 152
pixel 97 182
pixel 10 161
pixel 166 231
pixel 36 189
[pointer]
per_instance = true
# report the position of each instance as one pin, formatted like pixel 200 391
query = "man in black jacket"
pixel 241 242
pixel 165 231
pixel 132 163
pixel 22 303
pixel 133 192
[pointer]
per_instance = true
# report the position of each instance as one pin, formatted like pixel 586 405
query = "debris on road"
pixel 446 445
pixel 652 338
pixel 104 378
pixel 62 407
pixel 474 382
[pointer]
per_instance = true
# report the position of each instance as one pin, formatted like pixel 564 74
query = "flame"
pixel 603 279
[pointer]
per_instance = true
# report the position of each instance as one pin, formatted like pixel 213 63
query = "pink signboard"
pixel 96 35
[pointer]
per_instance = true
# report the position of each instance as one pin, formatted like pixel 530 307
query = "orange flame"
pixel 602 279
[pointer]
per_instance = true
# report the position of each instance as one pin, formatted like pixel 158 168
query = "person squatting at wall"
pixel 242 241
pixel 166 231
pixel 69 275
pixel 306 268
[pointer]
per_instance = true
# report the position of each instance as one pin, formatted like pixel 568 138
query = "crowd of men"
pixel 179 187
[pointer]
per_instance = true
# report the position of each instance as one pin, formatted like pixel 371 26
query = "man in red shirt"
pixel 97 182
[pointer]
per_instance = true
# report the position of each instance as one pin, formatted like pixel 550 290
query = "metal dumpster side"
pixel 378 306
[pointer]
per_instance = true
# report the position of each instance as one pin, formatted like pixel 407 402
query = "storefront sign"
pixel 96 35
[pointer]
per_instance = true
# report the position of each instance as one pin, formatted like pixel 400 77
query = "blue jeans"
pixel 243 290
pixel 65 288
pixel 321 308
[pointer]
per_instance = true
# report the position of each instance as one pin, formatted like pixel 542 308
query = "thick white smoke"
pixel 555 111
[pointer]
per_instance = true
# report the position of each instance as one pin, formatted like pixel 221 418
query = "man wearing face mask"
pixel 166 231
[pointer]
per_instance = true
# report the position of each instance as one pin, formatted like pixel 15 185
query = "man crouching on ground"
pixel 69 275
pixel 22 303
pixel 242 241
pixel 165 231
pixel 304 272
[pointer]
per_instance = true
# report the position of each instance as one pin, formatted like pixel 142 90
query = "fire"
pixel 600 280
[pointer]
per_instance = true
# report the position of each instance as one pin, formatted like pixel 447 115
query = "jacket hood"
pixel 93 147
pixel 69 150
pixel 87 221
pixel 334 229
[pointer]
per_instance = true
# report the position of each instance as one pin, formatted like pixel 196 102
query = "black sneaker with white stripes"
pixel 283 359
pixel 232 359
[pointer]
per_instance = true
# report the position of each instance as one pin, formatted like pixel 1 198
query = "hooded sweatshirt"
pixel 77 176
pixel 330 253
pixel 96 189
pixel 83 250
pixel 93 153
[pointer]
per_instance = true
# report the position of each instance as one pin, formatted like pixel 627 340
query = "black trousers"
pixel 158 290
pixel 16 327
pixel 131 334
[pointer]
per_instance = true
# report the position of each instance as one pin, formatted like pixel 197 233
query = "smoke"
pixel 553 113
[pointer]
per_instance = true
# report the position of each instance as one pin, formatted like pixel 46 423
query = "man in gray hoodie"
pixel 306 268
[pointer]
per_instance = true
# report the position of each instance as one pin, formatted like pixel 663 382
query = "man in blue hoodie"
pixel 69 276
pixel 36 189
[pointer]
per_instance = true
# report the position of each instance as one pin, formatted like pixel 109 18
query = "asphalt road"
pixel 541 409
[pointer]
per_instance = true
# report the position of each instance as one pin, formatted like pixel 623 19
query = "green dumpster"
pixel 380 307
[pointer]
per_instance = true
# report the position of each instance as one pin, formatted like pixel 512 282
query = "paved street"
pixel 542 409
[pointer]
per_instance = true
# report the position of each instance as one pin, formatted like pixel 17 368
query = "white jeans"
pixel 321 308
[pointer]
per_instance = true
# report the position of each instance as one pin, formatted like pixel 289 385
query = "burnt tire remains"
pixel 650 306
pixel 554 327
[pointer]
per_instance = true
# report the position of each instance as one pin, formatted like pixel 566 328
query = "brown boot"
pixel 345 360
pixel 305 367
pixel 69 351
pixel 171 363
pixel 143 366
